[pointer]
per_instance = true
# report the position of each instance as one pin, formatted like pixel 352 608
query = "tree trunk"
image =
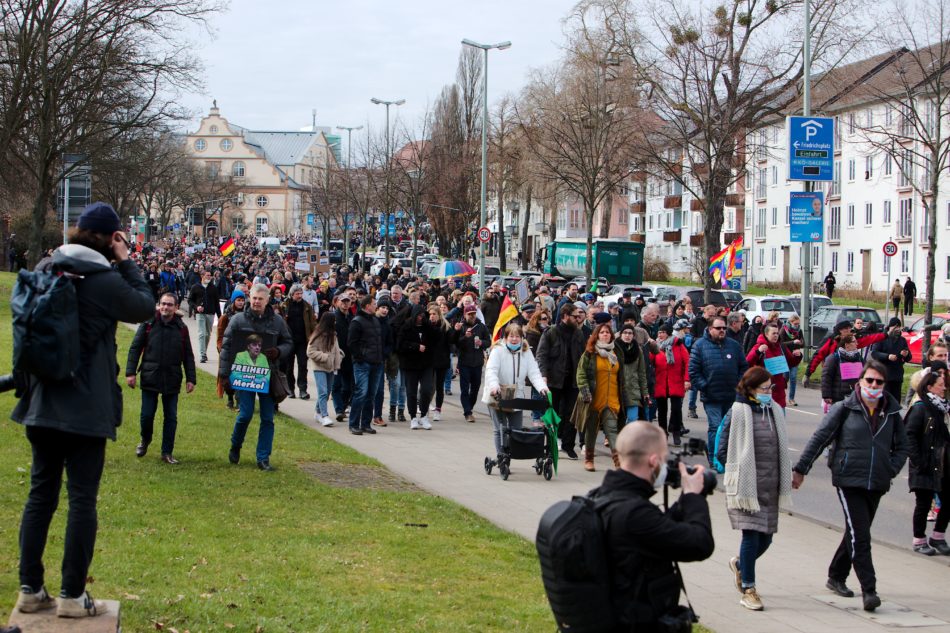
pixel 589 268
pixel 714 211
pixel 525 255
pixel 502 264
pixel 608 207
pixel 931 259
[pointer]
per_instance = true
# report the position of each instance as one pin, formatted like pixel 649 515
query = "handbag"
pixel 505 392
pixel 279 387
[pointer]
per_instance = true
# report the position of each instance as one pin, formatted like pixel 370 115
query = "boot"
pixel 589 460
pixel 392 413
pixel 402 415
pixel 616 457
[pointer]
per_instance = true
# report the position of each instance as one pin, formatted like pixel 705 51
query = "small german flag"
pixel 228 247
pixel 507 313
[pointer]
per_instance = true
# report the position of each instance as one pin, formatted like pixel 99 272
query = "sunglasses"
pixel 874 381
pixel 718 327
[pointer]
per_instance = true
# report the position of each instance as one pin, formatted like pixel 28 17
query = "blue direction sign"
pixel 811 148
pixel 806 211
pixel 309 219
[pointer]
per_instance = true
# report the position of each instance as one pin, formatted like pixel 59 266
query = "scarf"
pixel 606 350
pixel 939 402
pixel 666 346
pixel 630 352
pixel 741 477
pixel 849 357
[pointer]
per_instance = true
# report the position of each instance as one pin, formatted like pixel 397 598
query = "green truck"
pixel 620 261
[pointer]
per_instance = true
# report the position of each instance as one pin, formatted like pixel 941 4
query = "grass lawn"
pixel 207 546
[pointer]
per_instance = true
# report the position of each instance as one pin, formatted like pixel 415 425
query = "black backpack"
pixel 45 325
pixel 574 564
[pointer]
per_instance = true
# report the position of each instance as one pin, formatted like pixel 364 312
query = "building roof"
pixel 281 148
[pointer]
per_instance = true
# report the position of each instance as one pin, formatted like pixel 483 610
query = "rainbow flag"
pixel 718 265
pixel 227 248
pixel 735 259
pixel 508 312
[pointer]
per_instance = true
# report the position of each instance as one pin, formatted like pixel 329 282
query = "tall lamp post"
pixel 385 226
pixel 349 165
pixel 481 245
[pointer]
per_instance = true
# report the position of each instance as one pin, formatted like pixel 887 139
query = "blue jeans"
pixel 449 374
pixel 633 414
pixel 536 415
pixel 397 391
pixel 324 381
pixel 342 388
pixel 169 413
pixel 470 378
pixel 752 547
pixel 265 436
pixel 366 377
pixel 792 383
pixel 714 414
pixel 692 399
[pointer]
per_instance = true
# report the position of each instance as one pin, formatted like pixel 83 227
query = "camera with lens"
pixel 694 446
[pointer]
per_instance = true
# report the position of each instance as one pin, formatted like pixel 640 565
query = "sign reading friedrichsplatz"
pixel 811 148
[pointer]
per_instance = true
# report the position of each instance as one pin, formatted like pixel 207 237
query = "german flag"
pixel 508 312
pixel 227 248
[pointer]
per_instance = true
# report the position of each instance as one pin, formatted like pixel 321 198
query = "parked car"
pixel 534 277
pixel 427 268
pixel 914 335
pixel 615 292
pixel 817 301
pixel 553 282
pixel 581 282
pixel 826 317
pixel 761 306
pixel 733 297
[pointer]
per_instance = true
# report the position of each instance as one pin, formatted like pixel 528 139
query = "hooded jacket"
pixel 91 404
pixel 892 345
pixel 412 337
pixel 833 386
pixel 927 436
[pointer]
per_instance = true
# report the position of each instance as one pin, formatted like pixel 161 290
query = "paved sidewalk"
pixel 448 461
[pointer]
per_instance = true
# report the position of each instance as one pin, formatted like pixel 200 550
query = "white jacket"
pixel 507 368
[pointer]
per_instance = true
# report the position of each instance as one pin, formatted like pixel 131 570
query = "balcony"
pixel 638 238
pixel 735 200
pixel 638 176
pixel 673 236
pixel 696 205
pixel 672 202
pixel 729 238
pixel 697 240
pixel 638 207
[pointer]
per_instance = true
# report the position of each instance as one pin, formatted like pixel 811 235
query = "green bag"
pixel 552 422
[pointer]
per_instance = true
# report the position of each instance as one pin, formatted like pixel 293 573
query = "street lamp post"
pixel 481 245
pixel 349 165
pixel 385 226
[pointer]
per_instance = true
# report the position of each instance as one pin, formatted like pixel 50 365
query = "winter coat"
pixel 751 336
pixel 223 324
pixel 715 368
pixel 309 320
pixel 534 338
pixel 323 355
pixel 511 368
pixel 765 439
pixel 559 352
pixel 586 375
pixel 831 344
pixel 441 347
pixel 892 345
pixel 927 439
pixel 468 354
pixel 364 339
pixel 343 321
pixel 858 458
pixel 269 326
pixel 91 403
pixel 670 379
pixel 206 298
pixel 491 308
pixel 412 337
pixel 635 375
pixel 163 349
pixel 755 358
pixel 833 387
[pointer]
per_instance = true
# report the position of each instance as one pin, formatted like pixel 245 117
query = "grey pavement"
pixel 448 461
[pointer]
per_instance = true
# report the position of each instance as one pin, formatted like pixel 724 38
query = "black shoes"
pixel 369 431
pixel 234 455
pixel 570 452
pixel 141 449
pixel 941 546
pixel 168 458
pixel 402 415
pixel 304 395
pixel 871 601
pixel 392 414
pixel 356 431
pixel 264 464
pixel 292 396
pixel 838 587
pixel 340 416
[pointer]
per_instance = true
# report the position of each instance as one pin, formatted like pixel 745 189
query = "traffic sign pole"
pixel 890 249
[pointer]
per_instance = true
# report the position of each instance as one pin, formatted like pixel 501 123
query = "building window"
pixel 850 215
pixel 948 267
pixel 226 145
pixel 237 169
pixel 815 254
pixel 774 257
pixel 200 145
pixel 907 169
pixel 774 216
pixel 868 167
pixel 214 129
pixel 730 220
pixel 834 224
pixel 905 261
pixel 212 169
pixel 761 258
pixel 836 183
pixel 261 201
pixel 760 189
pixel 260 224
pixel 237 222
pixel 837 131
pixel 888 163
pixel 887 265
pixel 788 215
pixel 869 117
pixel 834 262
pixel 850 264
pixel 868 213
pixel 748 220
pixel 623 218
pixel 887 211
pixel 851 169
pixel 888 115
pixel 925 226
pixel 760 229
pixel 774 175
pixel 650 222
pixel 851 123
pixel 905 218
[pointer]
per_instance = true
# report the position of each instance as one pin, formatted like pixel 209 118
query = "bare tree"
pixel 411 176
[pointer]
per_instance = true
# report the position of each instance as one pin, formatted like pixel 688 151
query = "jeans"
pixel 366 377
pixel 536 415
pixel 752 547
pixel 633 414
pixel 397 390
pixel 859 507
pixel 324 382
pixel 204 332
pixel 342 388
pixel 714 414
pixel 83 459
pixel 265 435
pixel 498 418
pixel 470 378
pixel 672 405
pixel 692 399
pixel 300 356
pixel 169 414
pixel 418 390
pixel 563 401
pixel 792 383
pixel 922 507
pixel 449 374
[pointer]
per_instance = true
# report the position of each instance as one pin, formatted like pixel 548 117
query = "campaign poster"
pixel 806 211
pixel 250 374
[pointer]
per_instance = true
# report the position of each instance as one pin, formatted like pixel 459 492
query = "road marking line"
pixel 802 412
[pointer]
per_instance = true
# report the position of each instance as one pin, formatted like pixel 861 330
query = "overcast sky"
pixel 270 64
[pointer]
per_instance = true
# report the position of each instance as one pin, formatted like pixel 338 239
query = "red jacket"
pixel 831 346
pixel 779 381
pixel 670 379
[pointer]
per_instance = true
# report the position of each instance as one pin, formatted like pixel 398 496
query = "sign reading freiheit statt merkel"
pixel 811 148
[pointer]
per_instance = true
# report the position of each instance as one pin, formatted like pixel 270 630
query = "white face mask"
pixel 661 477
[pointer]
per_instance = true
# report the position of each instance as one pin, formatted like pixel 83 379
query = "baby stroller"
pixel 533 444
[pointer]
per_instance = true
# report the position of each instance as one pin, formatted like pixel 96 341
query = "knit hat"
pixel 601 317
pixel 627 327
pixel 894 321
pixel 237 294
pixel 99 217
pixel 580 305
pixel 842 325
pixel 668 329
pixel 681 324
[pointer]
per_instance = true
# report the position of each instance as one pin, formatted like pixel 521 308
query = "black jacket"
pixel 90 405
pixel 858 458
pixel 412 337
pixel 365 339
pixel 491 308
pixel 163 349
pixel 642 543
pixel 342 324
pixel 927 438
pixel 832 386
pixel 270 326
pixel 206 297
pixel 891 345
pixel 468 354
pixel 558 361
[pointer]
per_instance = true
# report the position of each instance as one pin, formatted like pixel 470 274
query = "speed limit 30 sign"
pixel 890 249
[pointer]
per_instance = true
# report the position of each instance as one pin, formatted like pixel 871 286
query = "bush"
pixel 655 269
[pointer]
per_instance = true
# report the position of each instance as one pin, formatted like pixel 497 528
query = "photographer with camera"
pixel 753 446
pixel 643 541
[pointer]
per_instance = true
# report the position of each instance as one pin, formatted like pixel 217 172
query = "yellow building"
pixel 258 181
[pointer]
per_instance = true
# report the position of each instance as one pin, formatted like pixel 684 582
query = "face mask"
pixel 680 334
pixel 871 394
pixel 764 398
pixel 513 347
pixel 661 477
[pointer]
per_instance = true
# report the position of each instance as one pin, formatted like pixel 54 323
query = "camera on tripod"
pixel 694 446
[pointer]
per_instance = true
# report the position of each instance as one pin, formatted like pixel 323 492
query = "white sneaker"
pixel 326 421
pixel 414 424
pixel 437 415
pixel 30 601
pixel 82 607
pixel 424 423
